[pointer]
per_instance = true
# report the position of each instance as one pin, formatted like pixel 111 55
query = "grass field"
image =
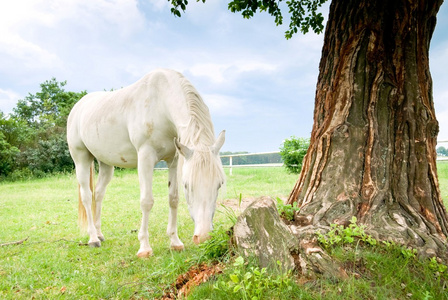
pixel 52 264
pixel 442 171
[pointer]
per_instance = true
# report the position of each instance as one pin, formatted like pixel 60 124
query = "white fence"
pixel 231 157
pixel 231 164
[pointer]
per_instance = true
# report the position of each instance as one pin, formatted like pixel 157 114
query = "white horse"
pixel 137 126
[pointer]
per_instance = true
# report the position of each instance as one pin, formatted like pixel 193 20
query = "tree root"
pixel 311 260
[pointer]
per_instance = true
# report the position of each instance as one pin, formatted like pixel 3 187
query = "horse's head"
pixel 202 176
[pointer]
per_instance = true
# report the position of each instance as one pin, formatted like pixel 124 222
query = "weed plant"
pixel 251 282
pixel 286 210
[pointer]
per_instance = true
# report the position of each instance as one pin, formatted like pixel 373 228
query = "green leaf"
pixel 239 261
pixel 349 239
pixel 234 278
pixel 247 276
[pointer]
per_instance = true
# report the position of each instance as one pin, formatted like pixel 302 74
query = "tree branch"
pixel 14 243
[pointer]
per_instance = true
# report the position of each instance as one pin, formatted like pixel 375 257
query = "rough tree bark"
pixel 372 153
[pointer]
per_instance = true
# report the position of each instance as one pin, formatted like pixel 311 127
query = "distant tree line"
pixel 442 151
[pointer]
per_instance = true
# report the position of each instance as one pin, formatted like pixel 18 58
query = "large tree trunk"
pixel 372 153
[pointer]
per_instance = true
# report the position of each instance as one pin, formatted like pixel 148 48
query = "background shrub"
pixel 292 152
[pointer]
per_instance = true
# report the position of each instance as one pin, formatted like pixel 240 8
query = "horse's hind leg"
pixel 83 160
pixel 176 243
pixel 105 175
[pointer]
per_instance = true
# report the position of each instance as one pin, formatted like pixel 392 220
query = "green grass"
pixel 52 264
pixel 442 172
pixel 256 182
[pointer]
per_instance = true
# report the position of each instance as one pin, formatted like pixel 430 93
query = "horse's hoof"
pixel 95 244
pixel 178 248
pixel 101 238
pixel 145 254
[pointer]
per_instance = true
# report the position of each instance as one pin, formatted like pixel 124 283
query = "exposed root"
pixel 192 278
pixel 311 260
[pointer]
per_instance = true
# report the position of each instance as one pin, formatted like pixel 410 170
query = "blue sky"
pixel 259 86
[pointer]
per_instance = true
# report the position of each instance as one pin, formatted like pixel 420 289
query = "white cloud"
pixel 227 106
pixel 214 72
pixel 14 13
pixel 200 13
pixel 8 100
pixel 123 15
pixel 29 54
pixel 14 17
pixel 26 26
pixel 220 73
pixel 159 5
pixel 251 66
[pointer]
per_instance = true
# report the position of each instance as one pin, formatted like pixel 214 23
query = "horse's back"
pixel 115 125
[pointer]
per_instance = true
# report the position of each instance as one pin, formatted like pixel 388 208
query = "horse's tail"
pixel 82 215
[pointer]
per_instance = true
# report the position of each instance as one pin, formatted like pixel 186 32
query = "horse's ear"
pixel 184 150
pixel 219 142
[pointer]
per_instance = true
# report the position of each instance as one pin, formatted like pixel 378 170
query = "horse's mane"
pixel 199 130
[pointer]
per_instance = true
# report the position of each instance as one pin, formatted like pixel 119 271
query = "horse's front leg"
pixel 146 162
pixel 176 243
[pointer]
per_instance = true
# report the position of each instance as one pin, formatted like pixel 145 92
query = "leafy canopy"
pixel 49 107
pixel 304 14
pixel 32 138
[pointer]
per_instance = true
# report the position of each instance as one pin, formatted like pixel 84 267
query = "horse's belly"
pixel 123 158
pixel 112 146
